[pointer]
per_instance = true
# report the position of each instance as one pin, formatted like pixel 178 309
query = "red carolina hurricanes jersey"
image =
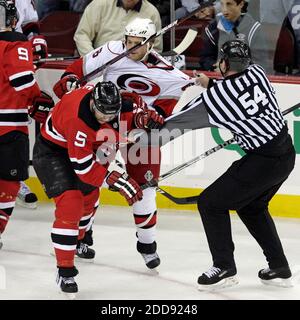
pixel 72 125
pixel 18 86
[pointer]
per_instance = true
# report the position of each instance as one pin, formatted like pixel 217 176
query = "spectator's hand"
pixel 39 47
pixel 206 13
pixel 41 107
pixel 125 185
pixel 67 83
pixel 201 79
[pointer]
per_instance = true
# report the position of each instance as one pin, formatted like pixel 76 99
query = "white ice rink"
pixel 27 270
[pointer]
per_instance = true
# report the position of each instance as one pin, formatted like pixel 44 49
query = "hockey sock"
pixel 69 210
pixel 8 194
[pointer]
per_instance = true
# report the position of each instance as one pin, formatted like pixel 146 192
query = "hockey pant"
pixel 145 210
pixel 8 194
pixel 73 215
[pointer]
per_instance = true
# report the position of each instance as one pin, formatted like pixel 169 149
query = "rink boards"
pixel 195 178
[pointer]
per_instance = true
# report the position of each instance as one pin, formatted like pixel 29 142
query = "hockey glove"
pixel 66 84
pixel 125 185
pixel 41 107
pixel 148 119
pixel 136 99
pixel 39 47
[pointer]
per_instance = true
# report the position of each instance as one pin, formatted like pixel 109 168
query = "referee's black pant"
pixel 247 187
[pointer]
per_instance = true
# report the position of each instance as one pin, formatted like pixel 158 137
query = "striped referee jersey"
pixel 245 104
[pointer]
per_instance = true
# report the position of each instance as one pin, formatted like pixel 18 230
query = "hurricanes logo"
pixel 139 84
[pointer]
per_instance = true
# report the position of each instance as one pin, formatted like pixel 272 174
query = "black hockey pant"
pixel 247 187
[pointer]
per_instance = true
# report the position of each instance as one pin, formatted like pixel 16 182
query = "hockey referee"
pixel 243 102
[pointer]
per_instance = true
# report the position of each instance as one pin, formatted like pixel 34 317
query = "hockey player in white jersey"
pixel 146 73
pixel 28 23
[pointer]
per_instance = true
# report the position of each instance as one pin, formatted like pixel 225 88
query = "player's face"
pixel 231 10
pixel 103 118
pixel 139 53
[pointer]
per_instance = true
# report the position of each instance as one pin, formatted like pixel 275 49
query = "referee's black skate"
pixel 217 278
pixel 279 277
pixel 84 252
pixel 65 281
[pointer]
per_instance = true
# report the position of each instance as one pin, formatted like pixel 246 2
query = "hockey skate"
pixel 88 238
pixel 216 278
pixel 279 277
pixel 84 252
pixel 26 198
pixel 66 283
pixel 1 243
pixel 152 260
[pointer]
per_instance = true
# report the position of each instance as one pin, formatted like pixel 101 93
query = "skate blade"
pixel 153 272
pixel 224 283
pixel 78 259
pixel 68 295
pixel 282 283
pixel 23 204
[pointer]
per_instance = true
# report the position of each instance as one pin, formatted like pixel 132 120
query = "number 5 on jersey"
pixel 80 139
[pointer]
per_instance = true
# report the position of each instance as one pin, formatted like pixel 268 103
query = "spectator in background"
pixel 163 7
pixel 272 16
pixel 78 5
pixel 234 23
pixel 187 6
pixel 105 20
pixel 294 18
pixel 44 7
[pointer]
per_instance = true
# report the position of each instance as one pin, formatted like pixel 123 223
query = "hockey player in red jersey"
pixel 19 95
pixel 28 24
pixel 161 85
pixel 67 147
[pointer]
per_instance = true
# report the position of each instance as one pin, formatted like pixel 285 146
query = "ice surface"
pixel 27 270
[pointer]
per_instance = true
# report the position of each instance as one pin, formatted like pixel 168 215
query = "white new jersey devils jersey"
pixel 26 13
pixel 158 82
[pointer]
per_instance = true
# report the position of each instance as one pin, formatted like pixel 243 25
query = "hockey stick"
pixel 193 199
pixel 155 35
pixel 184 44
pixel 54 59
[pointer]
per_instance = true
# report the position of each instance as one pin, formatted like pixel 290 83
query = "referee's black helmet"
pixel 236 54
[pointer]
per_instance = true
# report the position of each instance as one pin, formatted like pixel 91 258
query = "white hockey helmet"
pixel 140 27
